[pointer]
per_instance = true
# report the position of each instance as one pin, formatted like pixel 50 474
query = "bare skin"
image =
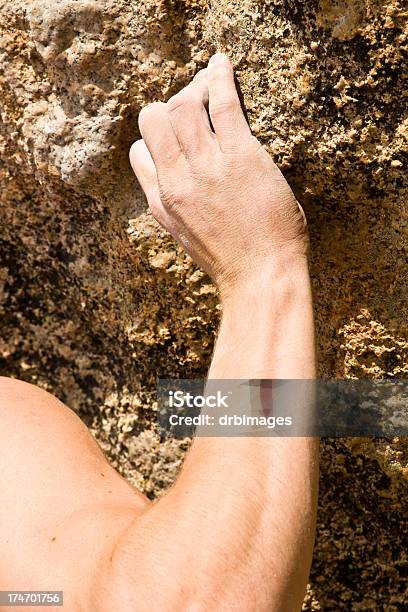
pixel 67 519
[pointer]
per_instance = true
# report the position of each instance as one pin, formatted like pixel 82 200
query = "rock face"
pixel 96 301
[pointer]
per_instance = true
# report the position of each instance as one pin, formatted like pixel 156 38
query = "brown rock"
pixel 85 313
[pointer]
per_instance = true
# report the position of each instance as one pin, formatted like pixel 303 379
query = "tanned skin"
pixel 236 531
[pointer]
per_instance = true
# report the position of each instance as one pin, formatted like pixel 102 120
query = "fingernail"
pixel 218 58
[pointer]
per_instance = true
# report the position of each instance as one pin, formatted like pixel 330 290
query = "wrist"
pixel 267 326
pixel 272 279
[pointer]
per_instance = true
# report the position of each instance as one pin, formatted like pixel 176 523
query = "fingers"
pixel 189 118
pixel 143 166
pixel 181 129
pixel 226 114
pixel 145 170
pixel 158 135
pixel 200 80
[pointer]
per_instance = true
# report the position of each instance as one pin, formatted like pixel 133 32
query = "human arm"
pixel 236 530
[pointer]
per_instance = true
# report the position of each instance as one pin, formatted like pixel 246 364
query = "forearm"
pixel 267 326
pixel 268 486
pixel 236 531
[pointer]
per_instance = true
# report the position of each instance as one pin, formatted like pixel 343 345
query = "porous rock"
pixel 96 301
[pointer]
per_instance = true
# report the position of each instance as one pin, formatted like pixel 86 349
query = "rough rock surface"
pixel 96 301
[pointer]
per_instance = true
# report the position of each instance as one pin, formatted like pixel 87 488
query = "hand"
pixel 213 186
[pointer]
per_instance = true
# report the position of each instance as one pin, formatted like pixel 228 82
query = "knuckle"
pixel 223 107
pixel 150 111
pixel 173 196
pixel 207 176
pixel 170 198
pixel 182 99
pixel 200 74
